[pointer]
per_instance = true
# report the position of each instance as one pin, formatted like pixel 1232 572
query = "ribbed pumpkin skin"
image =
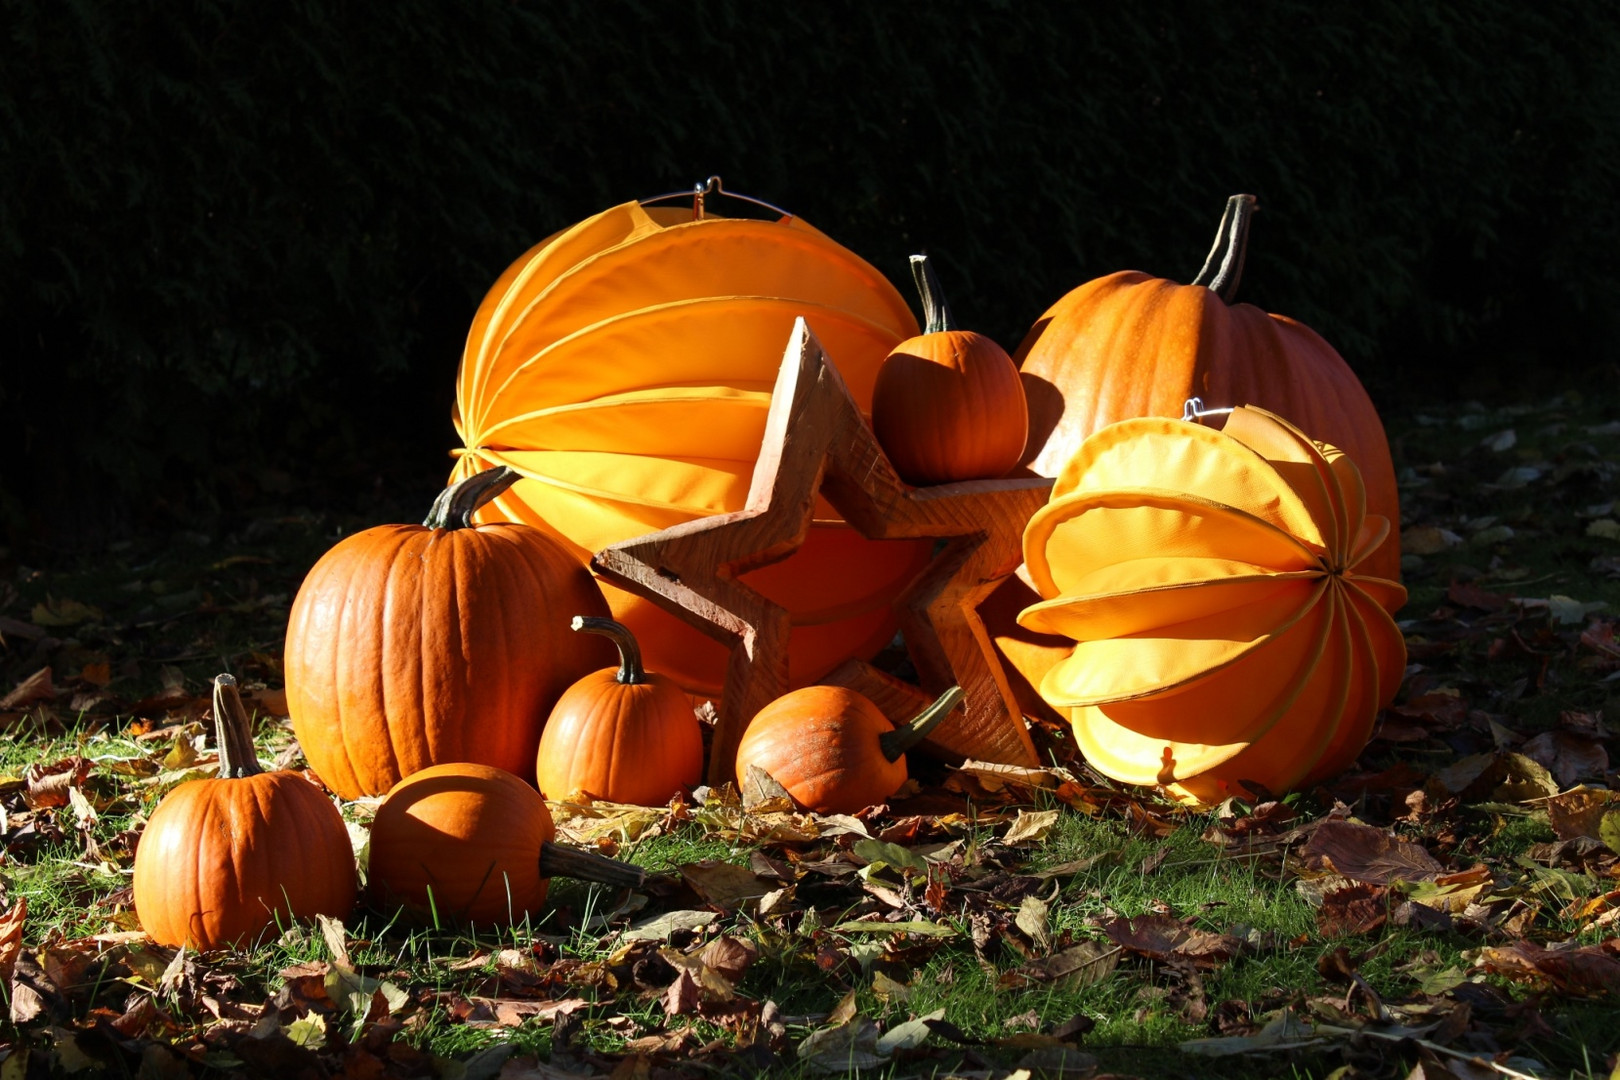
pixel 223 861
pixel 821 744
pixel 624 366
pixel 470 834
pixel 631 743
pixel 949 406
pixel 1130 345
pixel 409 647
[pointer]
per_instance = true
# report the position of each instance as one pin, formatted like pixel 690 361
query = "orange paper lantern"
pixel 624 367
pixel 1212 582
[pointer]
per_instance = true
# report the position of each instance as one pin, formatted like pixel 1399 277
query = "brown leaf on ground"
pixel 1359 909
pixel 1579 812
pixel 1500 777
pixel 1082 965
pixel 1570 756
pixel 724 885
pixel 1585 970
pixel 11 928
pixel 729 956
pixel 31 691
pixel 1363 853
pixel 1163 938
pixel 47 785
pixel 683 996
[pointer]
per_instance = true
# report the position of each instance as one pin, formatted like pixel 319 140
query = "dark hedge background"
pixel 240 243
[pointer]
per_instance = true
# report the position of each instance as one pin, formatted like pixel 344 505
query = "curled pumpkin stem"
pixel 631 671
pixel 233 731
pixel 903 738
pixel 456 504
pixel 936 313
pixel 1223 268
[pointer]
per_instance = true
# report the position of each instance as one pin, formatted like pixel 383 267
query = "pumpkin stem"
pixel 936 313
pixel 1223 269
pixel 456 504
pixel 631 673
pixel 557 860
pixel 233 731
pixel 904 737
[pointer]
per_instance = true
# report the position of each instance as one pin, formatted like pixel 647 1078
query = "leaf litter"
pixel 1461 881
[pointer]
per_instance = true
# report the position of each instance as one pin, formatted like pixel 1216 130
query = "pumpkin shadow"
pixel 1046 406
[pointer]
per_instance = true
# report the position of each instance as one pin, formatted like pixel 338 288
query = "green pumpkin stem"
pixel 558 860
pixel 936 313
pixel 1223 269
pixel 233 731
pixel 631 673
pixel 456 504
pixel 904 737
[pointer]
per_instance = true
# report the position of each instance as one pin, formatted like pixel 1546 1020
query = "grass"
pixel 172 612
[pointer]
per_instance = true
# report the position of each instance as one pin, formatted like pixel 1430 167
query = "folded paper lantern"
pixel 624 367
pixel 1210 580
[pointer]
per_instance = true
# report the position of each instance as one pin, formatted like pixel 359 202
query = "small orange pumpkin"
pixel 467 843
pixel 832 749
pixel 416 645
pixel 626 735
pixel 948 404
pixel 222 861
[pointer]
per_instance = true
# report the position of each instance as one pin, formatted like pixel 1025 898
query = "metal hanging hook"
pixel 713 186
pixel 1193 409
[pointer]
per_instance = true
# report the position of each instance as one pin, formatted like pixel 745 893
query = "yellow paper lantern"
pixel 624 367
pixel 1211 582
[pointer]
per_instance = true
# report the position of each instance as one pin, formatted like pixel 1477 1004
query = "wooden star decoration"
pixel 816 441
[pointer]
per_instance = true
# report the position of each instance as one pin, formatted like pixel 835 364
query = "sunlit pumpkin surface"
pixel 460 843
pixel 1213 584
pixel 624 366
pixel 231 861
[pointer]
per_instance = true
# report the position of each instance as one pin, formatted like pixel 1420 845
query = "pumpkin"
pixel 222 861
pixel 832 749
pixel 463 843
pixel 414 645
pixel 1130 344
pixel 948 404
pixel 624 368
pixel 625 735
pixel 1228 639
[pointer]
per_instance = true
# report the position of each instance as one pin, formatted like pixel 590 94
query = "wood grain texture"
pixel 817 442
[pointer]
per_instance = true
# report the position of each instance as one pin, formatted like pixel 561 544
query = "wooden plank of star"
pixel 816 441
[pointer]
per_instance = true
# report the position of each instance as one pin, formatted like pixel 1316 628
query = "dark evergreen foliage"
pixel 240 243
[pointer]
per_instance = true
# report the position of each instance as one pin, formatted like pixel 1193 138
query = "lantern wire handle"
pixel 713 186
pixel 1193 409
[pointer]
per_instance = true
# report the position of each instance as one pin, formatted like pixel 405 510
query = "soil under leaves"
pixel 1445 909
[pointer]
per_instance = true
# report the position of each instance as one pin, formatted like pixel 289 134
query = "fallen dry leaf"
pixel 11 928
pixel 32 690
pixel 1163 938
pixel 47 785
pixel 1569 756
pixel 1586 970
pixel 1363 853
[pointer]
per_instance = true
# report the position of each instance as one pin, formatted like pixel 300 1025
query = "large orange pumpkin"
pixel 1130 344
pixel 624 367
pixel 412 645
pixel 1227 632
pixel 225 861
